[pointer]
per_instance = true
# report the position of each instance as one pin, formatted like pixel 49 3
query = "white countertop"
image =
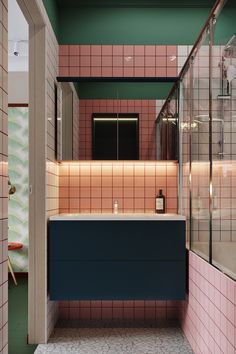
pixel 120 216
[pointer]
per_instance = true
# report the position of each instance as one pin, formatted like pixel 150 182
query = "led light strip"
pixel 115 119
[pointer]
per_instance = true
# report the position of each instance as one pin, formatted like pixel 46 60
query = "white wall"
pixel 18 87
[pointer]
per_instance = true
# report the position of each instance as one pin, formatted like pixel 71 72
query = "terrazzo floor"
pixel 116 341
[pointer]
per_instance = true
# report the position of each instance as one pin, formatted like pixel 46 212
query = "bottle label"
pixel 159 203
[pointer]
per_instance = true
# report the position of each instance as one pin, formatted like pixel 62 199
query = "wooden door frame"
pixel 37 290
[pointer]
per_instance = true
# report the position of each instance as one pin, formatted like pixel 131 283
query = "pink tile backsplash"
pixel 122 310
pixel 132 59
pixel 93 186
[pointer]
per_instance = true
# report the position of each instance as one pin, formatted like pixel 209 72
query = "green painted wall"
pixel 110 90
pixel 130 25
pixel 53 14
pixel 225 26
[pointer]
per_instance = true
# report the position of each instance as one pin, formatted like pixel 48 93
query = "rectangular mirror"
pixel 113 121
pixel 115 136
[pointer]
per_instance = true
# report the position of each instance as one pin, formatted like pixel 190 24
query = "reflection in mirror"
pixel 115 136
pixel 114 121
pixel 167 127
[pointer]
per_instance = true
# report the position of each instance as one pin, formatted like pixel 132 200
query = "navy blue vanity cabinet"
pixel 116 260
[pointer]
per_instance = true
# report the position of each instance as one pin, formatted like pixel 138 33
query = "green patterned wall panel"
pixel 18 172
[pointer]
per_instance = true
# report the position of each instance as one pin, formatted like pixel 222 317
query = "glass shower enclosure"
pixel 206 111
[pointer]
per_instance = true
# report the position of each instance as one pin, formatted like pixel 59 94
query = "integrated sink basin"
pixel 119 216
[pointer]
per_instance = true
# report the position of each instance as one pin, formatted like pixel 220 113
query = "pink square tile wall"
pixel 75 126
pixel 3 180
pixel 93 186
pixel 122 310
pixel 147 116
pixel 118 60
pixel 224 198
pixel 208 316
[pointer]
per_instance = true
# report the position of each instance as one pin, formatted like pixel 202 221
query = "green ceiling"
pixel 123 90
pixel 133 21
pixel 136 3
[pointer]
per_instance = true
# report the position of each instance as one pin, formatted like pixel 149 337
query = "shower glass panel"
pixel 207 144
pixel 184 161
pixel 224 155
pixel 200 162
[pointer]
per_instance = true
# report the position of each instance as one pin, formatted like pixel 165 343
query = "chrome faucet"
pixel 115 207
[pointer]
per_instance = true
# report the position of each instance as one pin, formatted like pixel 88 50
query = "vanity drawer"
pixel 117 240
pixel 81 280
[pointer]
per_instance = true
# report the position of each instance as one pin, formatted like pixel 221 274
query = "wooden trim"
pixel 37 289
